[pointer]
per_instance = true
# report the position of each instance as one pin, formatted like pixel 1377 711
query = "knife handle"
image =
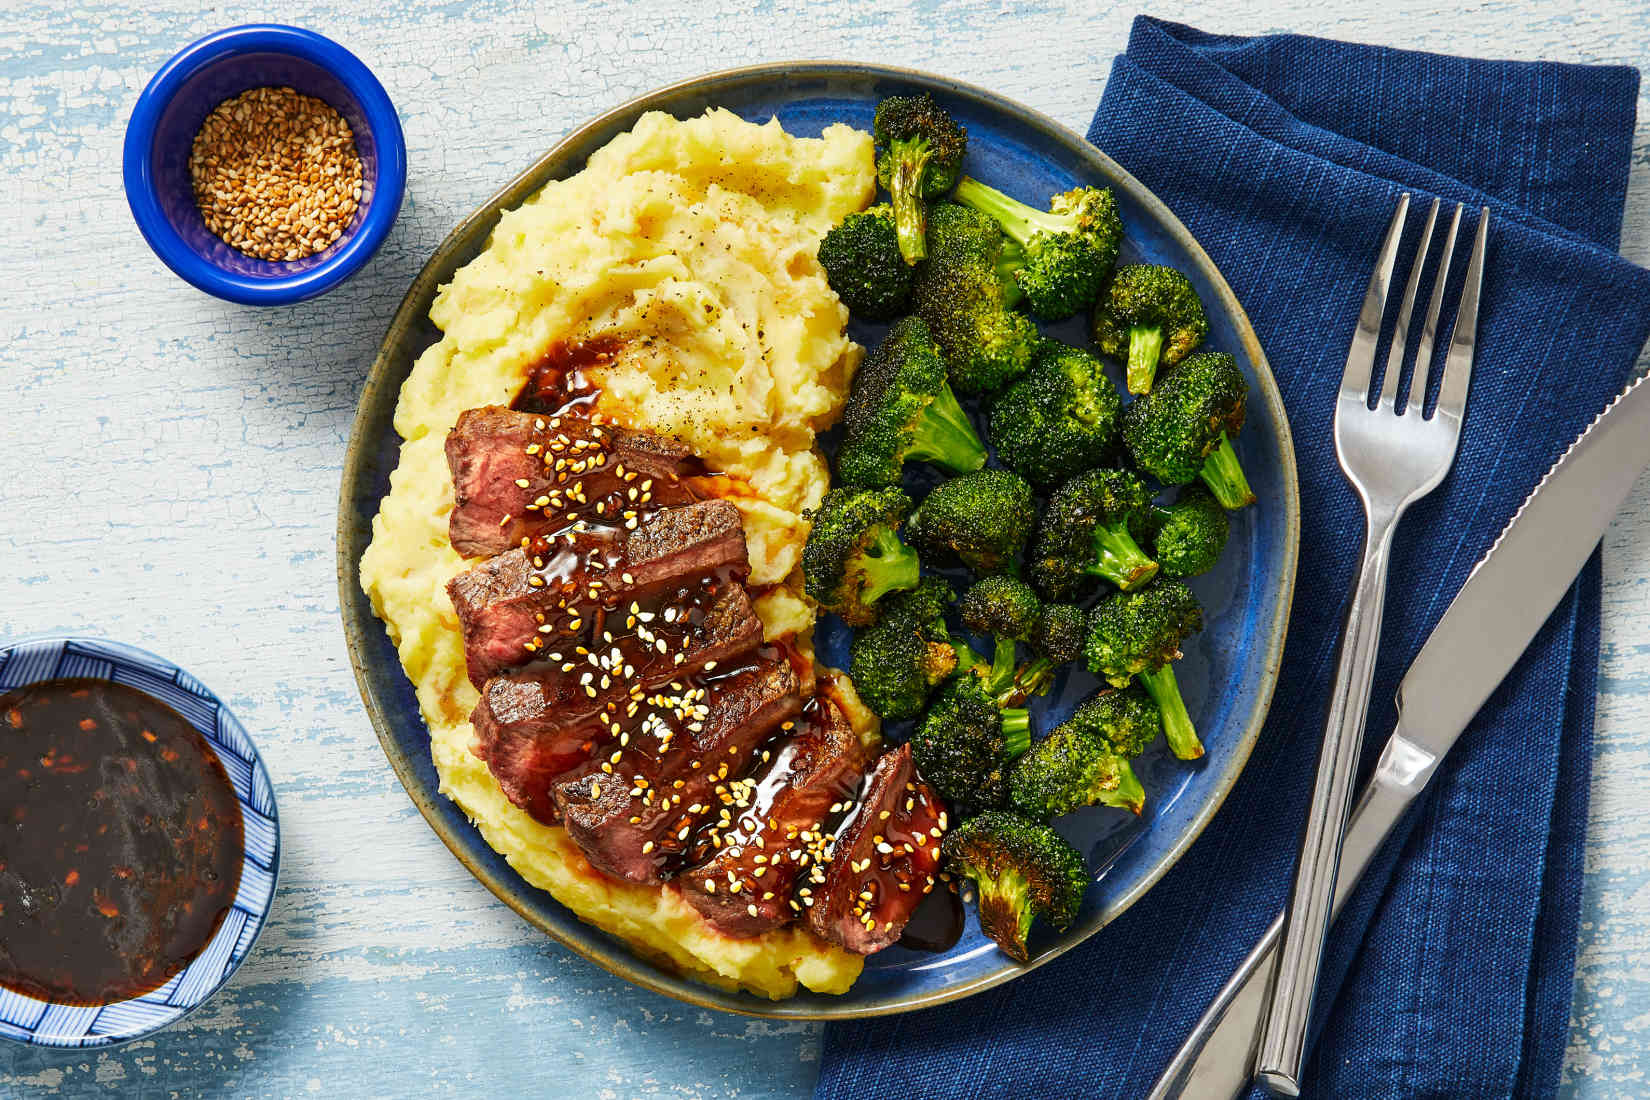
pixel 1214 1061
pixel 1282 1048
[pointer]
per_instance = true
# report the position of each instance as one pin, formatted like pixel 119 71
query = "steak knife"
pixel 1488 626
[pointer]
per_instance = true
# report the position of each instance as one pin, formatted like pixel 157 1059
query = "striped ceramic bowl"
pixel 40 1023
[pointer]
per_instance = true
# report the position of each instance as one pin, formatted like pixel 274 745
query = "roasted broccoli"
pixel 1073 766
pixel 1085 534
pixel 896 662
pixel 853 556
pixel 919 157
pixel 966 293
pixel 1001 607
pixel 974 729
pixel 1060 419
pixel 901 409
pixel 983 519
pixel 1022 871
pixel 1068 250
pixel 1056 641
pixel 1125 718
pixel 863 264
pixel 1188 536
pixel 1148 315
pixel 1183 429
pixel 1137 635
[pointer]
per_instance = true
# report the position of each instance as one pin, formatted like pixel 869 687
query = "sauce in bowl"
pixel 120 841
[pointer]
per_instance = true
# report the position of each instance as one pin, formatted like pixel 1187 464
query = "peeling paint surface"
pixel 170 465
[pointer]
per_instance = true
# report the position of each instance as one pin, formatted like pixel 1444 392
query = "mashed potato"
pixel 691 245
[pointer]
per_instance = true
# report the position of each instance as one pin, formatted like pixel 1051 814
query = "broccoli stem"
pixel 1161 685
pixel 1011 259
pixel 905 189
pixel 1223 474
pixel 1145 347
pixel 1129 794
pixel 1016 731
pixel 944 436
pixel 1036 677
pixel 1021 222
pixel 1118 558
pixel 999 678
pixel 1005 911
pixel 888 565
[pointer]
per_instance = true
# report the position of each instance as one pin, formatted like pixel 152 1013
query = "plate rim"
pixel 621 959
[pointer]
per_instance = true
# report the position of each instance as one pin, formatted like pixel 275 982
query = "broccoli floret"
pixel 1060 419
pixel 1068 250
pixel 983 519
pixel 1137 635
pixel 1148 315
pixel 902 409
pixel 896 663
pixel 1001 607
pixel 1085 760
pixel 1056 641
pixel 965 743
pixel 1125 718
pixel 1085 534
pixel 1183 429
pixel 920 151
pixel 853 556
pixel 975 727
pixel 863 264
pixel 1022 871
pixel 1071 768
pixel 1189 534
pixel 966 294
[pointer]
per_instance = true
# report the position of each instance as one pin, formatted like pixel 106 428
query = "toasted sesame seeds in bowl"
pixel 264 164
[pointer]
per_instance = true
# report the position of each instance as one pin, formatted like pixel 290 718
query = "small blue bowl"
pixel 44 1024
pixel 219 67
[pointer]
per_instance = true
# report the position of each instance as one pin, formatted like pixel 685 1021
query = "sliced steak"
pixel 744 887
pixel 539 724
pixel 561 589
pixel 678 770
pixel 516 474
pixel 883 861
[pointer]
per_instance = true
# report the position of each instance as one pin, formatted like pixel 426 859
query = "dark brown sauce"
pixel 120 842
pixel 559 384
pixel 936 924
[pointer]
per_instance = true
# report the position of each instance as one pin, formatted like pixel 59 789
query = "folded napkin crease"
pixel 1450 973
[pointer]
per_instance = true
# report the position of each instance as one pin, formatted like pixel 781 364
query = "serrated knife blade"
pixel 1488 626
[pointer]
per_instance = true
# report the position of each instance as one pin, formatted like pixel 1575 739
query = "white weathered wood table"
pixel 170 465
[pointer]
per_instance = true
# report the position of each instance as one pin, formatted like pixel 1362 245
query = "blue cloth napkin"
pixel 1450 973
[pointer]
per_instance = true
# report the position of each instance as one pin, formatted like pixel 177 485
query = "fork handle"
pixel 1282 1049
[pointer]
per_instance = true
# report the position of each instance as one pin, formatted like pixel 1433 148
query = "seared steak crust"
pixel 636 815
pixel 540 724
pixel 516 475
pixel 561 590
pixel 889 850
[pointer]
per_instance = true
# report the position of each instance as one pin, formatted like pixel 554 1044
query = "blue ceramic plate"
pixel 1228 672
pixel 40 1023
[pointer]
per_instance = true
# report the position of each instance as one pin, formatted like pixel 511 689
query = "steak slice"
pixel 538 724
pixel 745 886
pixel 678 770
pixel 516 474
pixel 889 849
pixel 563 588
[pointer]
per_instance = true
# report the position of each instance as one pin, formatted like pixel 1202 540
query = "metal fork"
pixel 1393 455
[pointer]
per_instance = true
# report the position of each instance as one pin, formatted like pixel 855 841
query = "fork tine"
pixel 1429 328
pixel 1452 393
pixel 1360 357
pixel 1400 331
